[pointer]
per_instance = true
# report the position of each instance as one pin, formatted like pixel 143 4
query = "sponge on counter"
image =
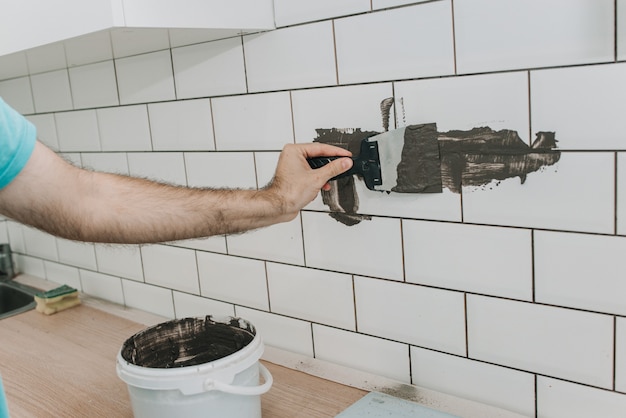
pixel 56 300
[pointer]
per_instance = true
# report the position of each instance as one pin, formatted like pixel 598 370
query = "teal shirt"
pixel 17 141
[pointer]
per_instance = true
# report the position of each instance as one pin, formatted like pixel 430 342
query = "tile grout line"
pixel 453 38
pixel 245 67
pixel 335 52
pixel 614 351
pixel 532 263
pixel 615 192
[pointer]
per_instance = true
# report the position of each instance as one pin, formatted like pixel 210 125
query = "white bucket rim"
pixel 197 378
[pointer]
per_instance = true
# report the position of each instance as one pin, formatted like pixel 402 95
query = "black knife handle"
pixel 365 165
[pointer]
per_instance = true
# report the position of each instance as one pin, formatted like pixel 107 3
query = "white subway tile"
pixel 168 167
pixel 40 244
pixel 565 343
pixel 187 305
pixel 145 78
pixel 109 162
pixel 94 85
pixel 29 265
pixel 77 131
pixel 417 315
pixel 128 41
pixel 253 122
pixel 62 274
pixel 102 286
pixel 481 259
pixel 16 236
pixel 621 29
pixel 17 94
pixel 372 247
pixel 78 254
pixel 182 126
pixel 187 36
pixel 620 210
pixel 215 244
pixel 589 119
pixel 210 69
pixel 233 279
pixel 124 128
pixel 289 12
pixel 409 42
pixel 313 295
pixel 499 101
pixel 279 331
pixel 153 299
pixel 87 49
pixel 553 194
pixel 170 267
pixel 381 4
pixel 265 163
pixel 374 355
pixel 46 58
pixel 580 271
pixel 120 260
pixel 72 158
pixel 559 399
pixel 51 91
pixel 347 107
pixel 46 130
pixel 501 387
pixel 13 65
pixel 296 57
pixel 280 242
pixel 221 169
pixel 620 355
pixel 4 232
pixel 495 35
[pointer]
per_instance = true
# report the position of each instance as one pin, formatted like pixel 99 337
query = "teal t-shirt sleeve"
pixel 17 141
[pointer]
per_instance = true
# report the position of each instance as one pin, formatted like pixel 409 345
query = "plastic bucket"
pixel 195 367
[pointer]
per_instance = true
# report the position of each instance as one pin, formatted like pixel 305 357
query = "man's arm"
pixel 64 200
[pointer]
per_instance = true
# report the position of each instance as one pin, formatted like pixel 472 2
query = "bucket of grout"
pixel 195 367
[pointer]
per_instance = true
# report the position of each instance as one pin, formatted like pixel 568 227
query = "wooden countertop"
pixel 63 365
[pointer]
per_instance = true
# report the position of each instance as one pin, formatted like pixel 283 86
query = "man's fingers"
pixel 317 149
pixel 335 167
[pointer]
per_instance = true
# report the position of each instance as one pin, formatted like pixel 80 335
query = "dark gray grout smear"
pixel 464 158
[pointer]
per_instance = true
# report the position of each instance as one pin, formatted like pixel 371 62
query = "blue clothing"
pixel 4 410
pixel 17 141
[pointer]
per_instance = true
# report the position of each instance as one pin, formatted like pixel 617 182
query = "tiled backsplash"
pixel 511 294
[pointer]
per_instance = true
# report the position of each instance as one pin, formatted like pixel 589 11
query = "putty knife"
pixel 404 160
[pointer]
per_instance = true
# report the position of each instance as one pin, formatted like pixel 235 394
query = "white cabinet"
pixel 26 24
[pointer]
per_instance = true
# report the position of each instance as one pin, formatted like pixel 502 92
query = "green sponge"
pixel 56 300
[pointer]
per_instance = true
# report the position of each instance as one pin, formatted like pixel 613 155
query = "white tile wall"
pixel 563 343
pixel 46 58
pixel 289 12
pixel 77 131
pixel 254 122
pixel 51 91
pixel 374 355
pixel 395 44
pixel 232 279
pixel 559 399
pixel 187 305
pixel 296 57
pixel 315 295
pixel 145 78
pixel 181 126
pixel 417 315
pixel 156 300
pixel 620 358
pixel 505 388
pixel 554 195
pixel 197 67
pixel 17 93
pixel 124 128
pixel 499 101
pixel 46 129
pixel 494 35
pixel 510 264
pixel 94 85
pixel 371 248
pixel 580 271
pixel 481 259
pixel 580 104
pixel 279 331
pixel 170 267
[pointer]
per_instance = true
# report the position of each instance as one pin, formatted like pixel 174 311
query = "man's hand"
pixel 295 183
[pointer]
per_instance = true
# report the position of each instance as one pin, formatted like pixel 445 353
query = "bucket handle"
pixel 210 384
